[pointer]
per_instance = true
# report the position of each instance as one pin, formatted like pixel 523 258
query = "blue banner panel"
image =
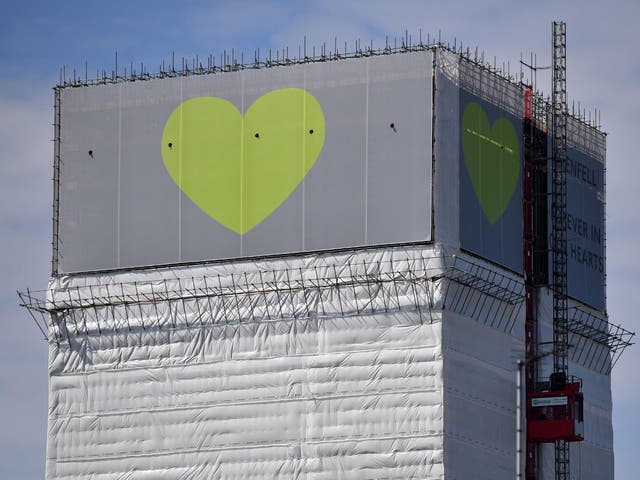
pixel 490 182
pixel 586 228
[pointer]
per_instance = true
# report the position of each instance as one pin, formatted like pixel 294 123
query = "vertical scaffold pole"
pixel 55 243
pixel 559 224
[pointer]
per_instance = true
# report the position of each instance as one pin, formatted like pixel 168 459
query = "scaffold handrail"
pixel 371 286
pixel 489 281
pixel 599 330
pixel 229 61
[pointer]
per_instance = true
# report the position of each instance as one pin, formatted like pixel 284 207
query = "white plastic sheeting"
pixel 358 381
pixel 307 395
pixel 479 398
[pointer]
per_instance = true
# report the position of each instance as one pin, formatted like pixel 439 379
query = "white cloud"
pixel 26 157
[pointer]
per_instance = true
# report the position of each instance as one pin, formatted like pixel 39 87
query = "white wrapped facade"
pixel 351 380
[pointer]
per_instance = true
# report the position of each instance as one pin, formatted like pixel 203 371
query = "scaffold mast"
pixel 559 224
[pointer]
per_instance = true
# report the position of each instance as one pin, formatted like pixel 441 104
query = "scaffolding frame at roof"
pixel 422 284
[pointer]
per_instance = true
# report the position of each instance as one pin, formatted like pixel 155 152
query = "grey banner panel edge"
pixel 88 251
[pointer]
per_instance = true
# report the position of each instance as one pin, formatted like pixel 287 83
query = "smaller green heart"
pixel 492 157
pixel 239 169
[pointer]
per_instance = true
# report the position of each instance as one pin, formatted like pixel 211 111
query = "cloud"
pixel 26 134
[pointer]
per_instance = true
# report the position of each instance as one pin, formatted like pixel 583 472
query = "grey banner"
pixel 149 179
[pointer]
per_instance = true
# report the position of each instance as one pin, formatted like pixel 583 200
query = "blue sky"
pixel 38 37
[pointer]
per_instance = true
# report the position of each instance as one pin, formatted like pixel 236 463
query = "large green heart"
pixel 492 157
pixel 236 169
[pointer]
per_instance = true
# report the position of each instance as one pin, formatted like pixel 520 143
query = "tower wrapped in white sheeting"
pixel 355 309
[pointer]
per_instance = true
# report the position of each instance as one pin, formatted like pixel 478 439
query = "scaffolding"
pixel 425 285
pixel 234 61
pixel 559 225
pixel 596 343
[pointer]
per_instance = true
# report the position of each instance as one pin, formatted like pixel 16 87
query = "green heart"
pixel 492 156
pixel 236 169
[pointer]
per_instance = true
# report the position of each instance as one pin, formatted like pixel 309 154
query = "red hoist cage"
pixel 556 414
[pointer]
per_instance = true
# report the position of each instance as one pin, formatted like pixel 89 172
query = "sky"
pixel 39 37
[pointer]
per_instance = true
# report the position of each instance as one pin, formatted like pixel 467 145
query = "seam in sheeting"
pixel 248 419
pixel 182 362
pixel 121 330
pixel 483 446
pixel 480 401
pixel 247 445
pixel 266 401
pixel 217 363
